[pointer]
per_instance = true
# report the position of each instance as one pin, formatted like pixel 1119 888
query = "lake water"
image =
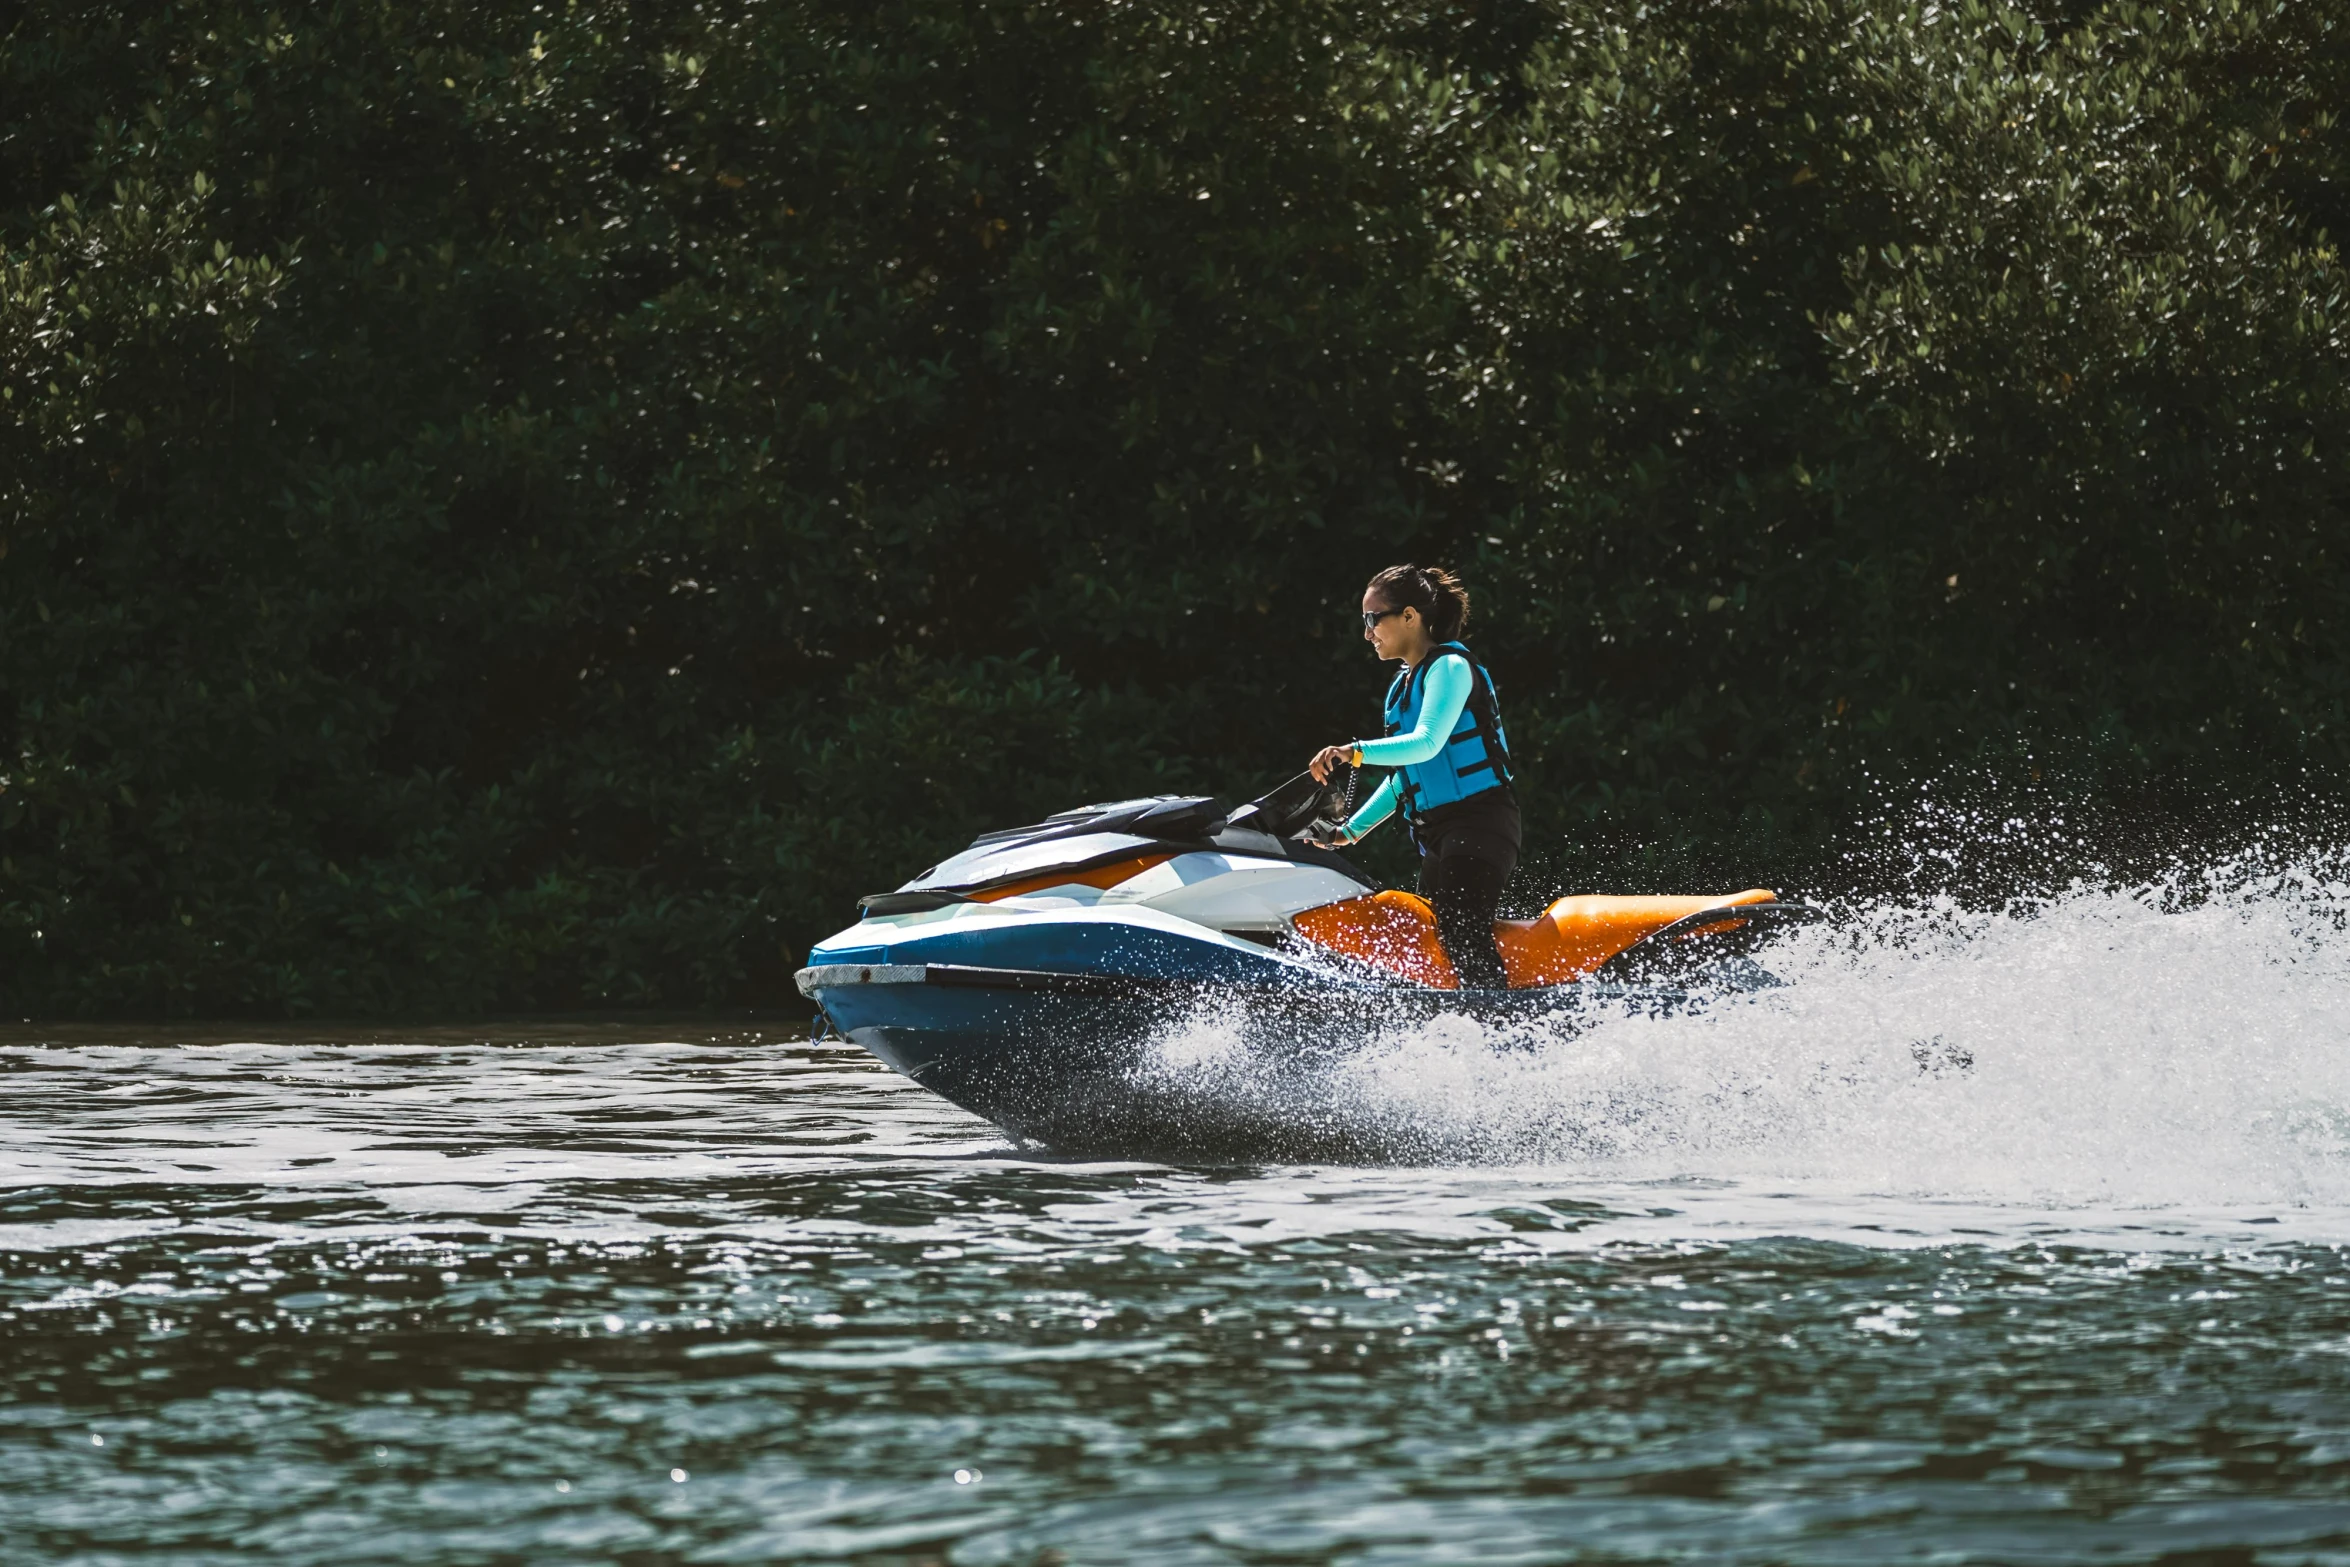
pixel 2013 1238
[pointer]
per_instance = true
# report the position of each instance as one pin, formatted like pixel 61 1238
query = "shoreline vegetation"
pixel 518 507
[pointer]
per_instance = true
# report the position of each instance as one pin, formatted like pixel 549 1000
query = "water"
pixel 1995 1238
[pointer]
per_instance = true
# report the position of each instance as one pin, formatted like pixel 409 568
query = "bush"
pixel 511 506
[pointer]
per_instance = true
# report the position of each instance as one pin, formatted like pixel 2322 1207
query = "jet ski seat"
pixel 1570 940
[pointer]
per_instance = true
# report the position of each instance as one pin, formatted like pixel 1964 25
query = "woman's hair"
pixel 1440 597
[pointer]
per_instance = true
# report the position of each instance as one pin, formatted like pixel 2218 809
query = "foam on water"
pixel 2174 1043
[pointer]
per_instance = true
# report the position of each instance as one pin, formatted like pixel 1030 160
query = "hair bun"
pixel 1441 598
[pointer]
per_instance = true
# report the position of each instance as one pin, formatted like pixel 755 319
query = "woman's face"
pixel 1393 635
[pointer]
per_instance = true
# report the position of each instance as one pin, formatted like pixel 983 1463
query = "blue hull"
pixel 1042 1025
pixel 1069 1064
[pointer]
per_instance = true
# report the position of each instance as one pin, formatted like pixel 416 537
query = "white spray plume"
pixel 2185 1041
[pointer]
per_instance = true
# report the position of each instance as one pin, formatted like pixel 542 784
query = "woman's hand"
pixel 1328 757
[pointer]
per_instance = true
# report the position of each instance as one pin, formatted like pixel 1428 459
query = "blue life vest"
pixel 1477 756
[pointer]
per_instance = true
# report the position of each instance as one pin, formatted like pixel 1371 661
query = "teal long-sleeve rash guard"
pixel 1446 693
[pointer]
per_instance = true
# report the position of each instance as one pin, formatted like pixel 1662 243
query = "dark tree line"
pixel 539 505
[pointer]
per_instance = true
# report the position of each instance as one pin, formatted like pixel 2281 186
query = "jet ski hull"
pixel 1079 1063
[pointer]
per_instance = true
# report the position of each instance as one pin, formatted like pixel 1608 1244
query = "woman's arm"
pixel 1373 811
pixel 1440 714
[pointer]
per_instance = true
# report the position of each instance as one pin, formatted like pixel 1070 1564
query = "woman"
pixel 1452 762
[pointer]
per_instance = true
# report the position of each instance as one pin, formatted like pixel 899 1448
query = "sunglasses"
pixel 1372 617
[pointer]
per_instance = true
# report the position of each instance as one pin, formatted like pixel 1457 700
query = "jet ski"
pixel 1026 977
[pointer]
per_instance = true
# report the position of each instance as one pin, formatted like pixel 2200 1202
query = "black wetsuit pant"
pixel 1467 852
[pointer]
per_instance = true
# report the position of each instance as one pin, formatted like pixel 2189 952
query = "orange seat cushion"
pixel 1576 935
pixel 1397 931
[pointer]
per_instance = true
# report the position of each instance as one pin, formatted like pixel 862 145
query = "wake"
pixel 2174 1042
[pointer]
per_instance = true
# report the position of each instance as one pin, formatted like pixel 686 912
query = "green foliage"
pixel 539 506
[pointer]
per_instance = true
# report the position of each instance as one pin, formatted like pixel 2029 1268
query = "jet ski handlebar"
pixel 1301 807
